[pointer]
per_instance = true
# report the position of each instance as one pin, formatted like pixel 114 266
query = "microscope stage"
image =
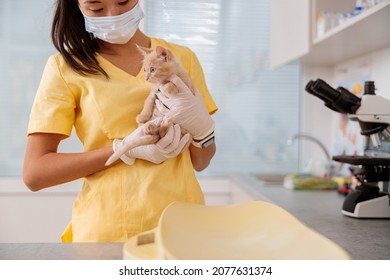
pixel 363 160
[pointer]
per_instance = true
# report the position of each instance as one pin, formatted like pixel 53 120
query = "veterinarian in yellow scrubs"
pixel 118 201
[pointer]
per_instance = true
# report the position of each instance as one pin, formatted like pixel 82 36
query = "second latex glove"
pixel 186 109
pixel 169 146
pixel 134 139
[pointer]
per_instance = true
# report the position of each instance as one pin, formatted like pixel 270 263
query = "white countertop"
pixel 320 210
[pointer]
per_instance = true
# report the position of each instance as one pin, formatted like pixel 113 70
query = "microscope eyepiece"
pixel 312 88
pixel 369 87
pixel 339 100
pixel 325 90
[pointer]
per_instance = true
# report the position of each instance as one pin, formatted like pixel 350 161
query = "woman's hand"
pixel 186 109
pixel 134 139
pixel 169 146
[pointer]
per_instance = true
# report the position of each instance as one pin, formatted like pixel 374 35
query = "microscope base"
pixel 373 208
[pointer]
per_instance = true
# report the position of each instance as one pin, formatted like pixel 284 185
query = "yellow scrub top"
pixel 121 201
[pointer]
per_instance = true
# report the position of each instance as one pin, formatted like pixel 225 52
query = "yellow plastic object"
pixel 141 247
pixel 251 230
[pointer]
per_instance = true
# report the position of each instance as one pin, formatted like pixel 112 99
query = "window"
pixel 258 108
pixel 24 48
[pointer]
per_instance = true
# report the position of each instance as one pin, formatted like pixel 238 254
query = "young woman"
pixel 95 84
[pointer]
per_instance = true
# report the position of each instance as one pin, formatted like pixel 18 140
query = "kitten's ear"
pixel 143 51
pixel 164 54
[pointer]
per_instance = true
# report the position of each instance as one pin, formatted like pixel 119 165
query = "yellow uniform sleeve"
pixel 53 110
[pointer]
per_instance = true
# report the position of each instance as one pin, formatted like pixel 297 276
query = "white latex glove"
pixel 171 145
pixel 187 110
pixel 134 139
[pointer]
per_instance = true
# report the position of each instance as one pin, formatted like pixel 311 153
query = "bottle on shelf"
pixel 327 20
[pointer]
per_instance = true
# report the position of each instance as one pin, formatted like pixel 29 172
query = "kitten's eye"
pixel 152 69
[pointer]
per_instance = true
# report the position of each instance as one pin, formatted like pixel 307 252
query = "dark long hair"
pixel 70 38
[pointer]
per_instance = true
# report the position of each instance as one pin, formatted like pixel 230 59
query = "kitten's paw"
pixel 167 121
pixel 151 129
pixel 165 125
pixel 170 88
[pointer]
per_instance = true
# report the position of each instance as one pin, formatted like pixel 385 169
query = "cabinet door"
pixel 290 30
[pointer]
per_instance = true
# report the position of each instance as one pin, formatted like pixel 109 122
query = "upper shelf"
pixel 363 34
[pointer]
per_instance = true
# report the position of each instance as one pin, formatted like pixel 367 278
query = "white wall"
pixel 316 119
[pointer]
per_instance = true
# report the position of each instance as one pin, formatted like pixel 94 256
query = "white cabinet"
pixel 290 29
pixel 42 216
pixel 361 34
pixel 34 217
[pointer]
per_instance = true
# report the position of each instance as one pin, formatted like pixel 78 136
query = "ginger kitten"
pixel 159 65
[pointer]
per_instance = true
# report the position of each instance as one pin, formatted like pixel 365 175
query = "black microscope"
pixel 371 197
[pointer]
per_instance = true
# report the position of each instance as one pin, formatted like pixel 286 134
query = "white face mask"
pixel 115 29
